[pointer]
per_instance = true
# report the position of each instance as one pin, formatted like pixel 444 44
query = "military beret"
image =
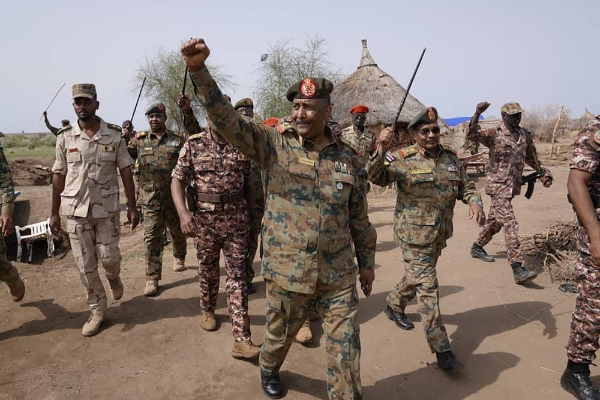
pixel 310 88
pixel 84 90
pixel 427 116
pixel 156 108
pixel 359 109
pixel 511 108
pixel 245 102
pixel 65 122
pixel 271 121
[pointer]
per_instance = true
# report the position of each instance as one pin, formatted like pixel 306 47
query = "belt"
pixel 220 198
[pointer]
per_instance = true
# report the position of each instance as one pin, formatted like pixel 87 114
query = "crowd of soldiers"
pixel 296 189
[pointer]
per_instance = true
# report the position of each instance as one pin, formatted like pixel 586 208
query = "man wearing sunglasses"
pixel 511 147
pixel 430 179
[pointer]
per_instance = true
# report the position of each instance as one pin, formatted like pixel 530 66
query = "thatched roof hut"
pixel 371 86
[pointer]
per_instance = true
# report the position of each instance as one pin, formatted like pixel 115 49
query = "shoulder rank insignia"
pixel 141 134
pixel 449 148
pixel 113 126
pixel 408 151
pixel 196 136
pixel 64 129
pixel 283 126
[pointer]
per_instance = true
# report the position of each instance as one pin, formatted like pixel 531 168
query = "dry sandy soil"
pixel 510 338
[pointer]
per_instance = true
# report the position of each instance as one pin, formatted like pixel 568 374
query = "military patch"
pixel 109 148
pixel 283 126
pixel 421 171
pixel 390 158
pixel 172 142
pixel 408 151
pixel 306 161
pixel 308 88
pixel 340 186
pixel 182 152
pixel 73 150
pixel 115 127
pixel 452 167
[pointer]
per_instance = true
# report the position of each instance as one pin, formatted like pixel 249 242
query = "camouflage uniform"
pixel 156 158
pixel 220 175
pixel 363 144
pixel 190 124
pixel 90 201
pixel 258 197
pixel 507 159
pixel 314 210
pixel 427 192
pixel 8 273
pixel 583 341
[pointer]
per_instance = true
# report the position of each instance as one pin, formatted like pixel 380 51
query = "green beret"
pixel 157 108
pixel 310 88
pixel 246 102
pixel 427 116
pixel 511 108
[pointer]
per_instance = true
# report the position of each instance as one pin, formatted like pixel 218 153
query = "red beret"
pixel 271 121
pixel 359 109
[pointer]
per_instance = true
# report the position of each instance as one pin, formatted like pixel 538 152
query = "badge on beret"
pixel 161 106
pixel 308 88
pixel 431 113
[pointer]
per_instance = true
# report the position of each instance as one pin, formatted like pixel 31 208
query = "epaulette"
pixel 283 126
pixel 64 129
pixel 115 127
pixel 196 136
pixel 141 134
pixel 178 134
pixel 408 151
pixel 449 148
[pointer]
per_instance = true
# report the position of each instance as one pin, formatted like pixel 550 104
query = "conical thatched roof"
pixel 371 86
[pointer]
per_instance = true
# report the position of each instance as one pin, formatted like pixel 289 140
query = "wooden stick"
pixel 554 131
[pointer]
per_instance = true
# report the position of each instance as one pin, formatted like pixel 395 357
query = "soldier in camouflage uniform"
pixel 257 203
pixel 85 188
pixel 430 179
pixel 156 152
pixel 8 272
pixel 64 123
pixel 220 222
pixel 584 193
pixel 511 147
pixel 314 210
pixel 190 123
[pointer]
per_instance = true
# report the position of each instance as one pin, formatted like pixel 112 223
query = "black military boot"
pixel 521 274
pixel 251 288
pixel 399 318
pixel 478 252
pixel 577 382
pixel 447 361
pixel 271 386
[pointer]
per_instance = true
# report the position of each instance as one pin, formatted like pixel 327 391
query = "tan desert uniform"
pixel 90 201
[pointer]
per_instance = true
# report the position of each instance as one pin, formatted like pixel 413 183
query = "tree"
pixel 164 73
pixel 285 64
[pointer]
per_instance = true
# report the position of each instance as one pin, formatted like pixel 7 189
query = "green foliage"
pixel 29 141
pixel 285 65
pixel 164 72
pixel 1 134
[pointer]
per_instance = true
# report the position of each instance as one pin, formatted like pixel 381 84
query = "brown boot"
pixel 15 284
pixel 304 335
pixel 90 328
pixel 245 349
pixel 151 288
pixel 116 288
pixel 179 265
pixel 208 322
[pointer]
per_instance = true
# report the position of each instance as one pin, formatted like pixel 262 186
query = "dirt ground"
pixel 510 338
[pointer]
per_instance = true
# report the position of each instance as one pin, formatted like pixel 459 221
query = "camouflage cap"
pixel 84 90
pixel 245 102
pixel 427 116
pixel 65 122
pixel 157 108
pixel 310 88
pixel 511 108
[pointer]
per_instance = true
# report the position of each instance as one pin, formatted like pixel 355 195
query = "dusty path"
pixel 509 337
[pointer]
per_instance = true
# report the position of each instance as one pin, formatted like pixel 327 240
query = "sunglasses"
pixel 426 131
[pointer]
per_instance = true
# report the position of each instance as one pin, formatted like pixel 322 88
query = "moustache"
pixel 302 121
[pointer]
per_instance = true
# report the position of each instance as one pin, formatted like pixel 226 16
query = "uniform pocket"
pixel 419 230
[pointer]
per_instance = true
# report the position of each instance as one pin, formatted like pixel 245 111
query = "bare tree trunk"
pixel 554 131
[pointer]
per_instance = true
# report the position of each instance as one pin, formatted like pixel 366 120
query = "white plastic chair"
pixel 39 231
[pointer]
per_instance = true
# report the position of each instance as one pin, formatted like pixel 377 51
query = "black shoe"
pixel 447 361
pixel 271 386
pixel 579 385
pixel 251 288
pixel 479 252
pixel 399 318
pixel 521 274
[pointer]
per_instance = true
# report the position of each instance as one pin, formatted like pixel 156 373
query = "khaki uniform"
pixel 364 144
pixel 156 158
pixel 90 201
pixel 314 210
pixel 220 174
pixel 427 192
pixel 583 340
pixel 8 273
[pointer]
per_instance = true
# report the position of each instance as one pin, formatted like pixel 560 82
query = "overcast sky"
pixel 535 52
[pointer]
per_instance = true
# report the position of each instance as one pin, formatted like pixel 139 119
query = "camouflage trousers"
pixel 154 233
pixel 253 242
pixel 286 311
pixel 227 231
pixel 95 240
pixel 8 273
pixel 421 281
pixel 585 330
pixel 502 215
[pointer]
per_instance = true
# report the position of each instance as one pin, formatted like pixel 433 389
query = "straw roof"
pixel 371 86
